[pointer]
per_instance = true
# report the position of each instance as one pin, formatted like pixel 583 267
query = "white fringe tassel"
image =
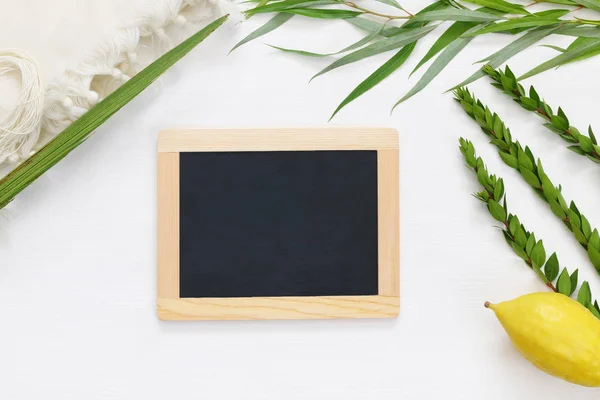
pixel 102 71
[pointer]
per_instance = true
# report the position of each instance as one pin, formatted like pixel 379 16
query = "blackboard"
pixel 277 224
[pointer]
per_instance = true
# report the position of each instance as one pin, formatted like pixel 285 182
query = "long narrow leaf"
pixel 455 31
pixel 437 66
pixel 323 13
pixel 507 52
pixel 282 5
pixel 58 148
pixel 591 4
pixel 561 59
pixel 516 23
pixel 270 26
pixel 388 31
pixel 501 5
pixel 582 41
pixel 551 46
pixel 373 26
pixel 392 3
pixel 585 31
pixel 376 77
pixel 365 40
pixel 563 2
pixel 379 47
pixel 453 14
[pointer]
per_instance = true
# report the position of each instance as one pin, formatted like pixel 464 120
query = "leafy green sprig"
pixel 556 122
pixel 524 243
pixel 80 130
pixel 523 160
pixel 383 35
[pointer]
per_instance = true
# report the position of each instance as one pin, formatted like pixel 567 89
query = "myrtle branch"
pixel 557 123
pixel 513 155
pixel 523 242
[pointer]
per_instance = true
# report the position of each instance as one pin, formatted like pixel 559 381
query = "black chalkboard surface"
pixel 278 224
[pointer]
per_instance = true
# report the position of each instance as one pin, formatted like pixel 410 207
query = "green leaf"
pixel 373 26
pixel 323 13
pixel 521 237
pixel 392 3
pixel 530 244
pixel 587 31
pixel 591 134
pixel 530 178
pixel 551 268
pixel 284 5
pixel 511 161
pixel 560 59
pixel 379 47
pixel 500 144
pixel 574 277
pixel 270 26
pixel 538 254
pixel 524 160
pixel 524 22
pixel 594 256
pixel 557 48
pixel 582 41
pixel 559 122
pixel 376 77
pixel 585 227
pixel 591 4
pixel 595 240
pixel 547 186
pixel 501 5
pixel 506 53
pixel 453 32
pixel 436 67
pixel 564 283
pixel 565 2
pixel 365 40
pixel 499 191
pixel 555 13
pixel 574 218
pixel 496 210
pixel 579 235
pixel 585 295
pixel 576 149
pixel 519 251
pixel 66 141
pixel 593 310
pixel 454 14
pixel 514 224
pixel 557 209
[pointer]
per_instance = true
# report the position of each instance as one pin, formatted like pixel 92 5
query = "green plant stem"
pixel 557 123
pixel 80 130
pixel 531 170
pixel 523 243
pixel 493 196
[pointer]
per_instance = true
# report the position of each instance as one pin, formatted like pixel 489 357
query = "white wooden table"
pixel 78 248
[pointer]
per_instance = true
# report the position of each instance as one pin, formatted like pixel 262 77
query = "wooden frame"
pixel 383 305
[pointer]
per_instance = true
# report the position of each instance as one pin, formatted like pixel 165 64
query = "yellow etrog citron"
pixel 555 333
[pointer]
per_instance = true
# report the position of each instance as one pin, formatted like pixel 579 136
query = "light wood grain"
pixel 168 225
pixel 250 308
pixel 217 140
pixel 384 305
pixel 388 211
